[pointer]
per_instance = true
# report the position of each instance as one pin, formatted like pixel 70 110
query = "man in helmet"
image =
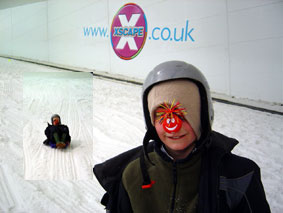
pixel 187 167
pixel 57 134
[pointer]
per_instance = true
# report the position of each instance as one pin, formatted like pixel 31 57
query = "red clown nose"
pixel 173 124
pixel 55 121
pixel 171 116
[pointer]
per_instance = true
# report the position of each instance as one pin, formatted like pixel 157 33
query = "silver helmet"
pixel 179 70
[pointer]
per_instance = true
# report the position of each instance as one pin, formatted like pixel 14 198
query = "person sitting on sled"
pixel 57 134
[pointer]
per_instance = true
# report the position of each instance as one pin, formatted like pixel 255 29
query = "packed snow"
pixel 105 118
pixel 70 95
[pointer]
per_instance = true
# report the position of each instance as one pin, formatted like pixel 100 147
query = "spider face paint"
pixel 171 116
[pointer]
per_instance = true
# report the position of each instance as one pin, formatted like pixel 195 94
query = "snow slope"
pixel 68 94
pixel 117 125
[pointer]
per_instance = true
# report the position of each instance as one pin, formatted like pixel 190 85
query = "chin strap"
pixel 149 135
pixel 147 182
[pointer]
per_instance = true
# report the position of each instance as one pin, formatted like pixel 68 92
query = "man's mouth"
pixel 176 137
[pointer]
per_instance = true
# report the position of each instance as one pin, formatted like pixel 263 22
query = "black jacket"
pixel 228 183
pixel 60 129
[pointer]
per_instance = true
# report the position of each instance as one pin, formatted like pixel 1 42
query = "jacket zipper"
pixel 175 186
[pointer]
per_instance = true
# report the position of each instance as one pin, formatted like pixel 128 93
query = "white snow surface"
pixel 105 118
pixel 70 95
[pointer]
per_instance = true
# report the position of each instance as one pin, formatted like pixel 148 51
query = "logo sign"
pixel 128 31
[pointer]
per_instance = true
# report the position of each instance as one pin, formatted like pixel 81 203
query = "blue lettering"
pixel 185 34
pixel 181 37
pixel 188 33
pixel 169 33
pixel 102 31
pixel 130 33
pixel 140 33
pixel 120 31
pixel 115 31
pixel 95 31
pixel 135 31
pixel 86 31
pixel 125 31
pixel 155 38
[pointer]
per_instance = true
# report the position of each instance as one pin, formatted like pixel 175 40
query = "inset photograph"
pixel 57 133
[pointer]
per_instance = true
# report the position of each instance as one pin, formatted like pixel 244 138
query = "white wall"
pixel 23 31
pixel 238 43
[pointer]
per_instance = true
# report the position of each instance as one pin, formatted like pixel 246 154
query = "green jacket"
pixel 175 185
pixel 224 183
